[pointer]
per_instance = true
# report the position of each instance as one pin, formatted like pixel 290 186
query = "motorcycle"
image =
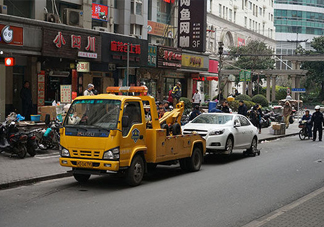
pixel 31 142
pixel 265 120
pixel 13 141
pixel 50 137
pixel 303 133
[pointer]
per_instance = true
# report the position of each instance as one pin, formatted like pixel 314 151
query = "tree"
pixel 254 56
pixel 315 76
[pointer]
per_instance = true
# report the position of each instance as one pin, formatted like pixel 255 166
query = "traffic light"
pixel 9 61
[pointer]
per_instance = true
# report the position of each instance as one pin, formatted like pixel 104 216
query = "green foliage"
pixel 235 104
pixel 281 92
pixel 255 55
pixel 260 99
pixel 187 103
pixel 243 97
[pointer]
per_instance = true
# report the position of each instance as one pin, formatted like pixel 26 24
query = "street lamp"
pixel 220 52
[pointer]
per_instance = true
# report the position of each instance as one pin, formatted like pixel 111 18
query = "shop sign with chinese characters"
pixel 83 67
pixel 152 56
pixel 169 57
pixel 66 93
pixel 192 25
pixel 41 91
pixel 194 61
pixel 66 44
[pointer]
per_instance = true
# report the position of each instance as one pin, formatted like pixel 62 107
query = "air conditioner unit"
pixel 102 29
pixel 3 9
pixel 50 17
pixel 73 17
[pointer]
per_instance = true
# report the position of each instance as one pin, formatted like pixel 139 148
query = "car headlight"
pixel 216 132
pixel 65 152
pixel 112 154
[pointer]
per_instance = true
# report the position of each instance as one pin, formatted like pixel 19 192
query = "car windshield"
pixel 212 119
pixel 93 113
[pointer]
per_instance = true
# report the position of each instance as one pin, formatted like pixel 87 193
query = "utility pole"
pixel 220 52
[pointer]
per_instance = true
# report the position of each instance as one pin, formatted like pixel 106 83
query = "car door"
pixel 247 132
pixel 238 133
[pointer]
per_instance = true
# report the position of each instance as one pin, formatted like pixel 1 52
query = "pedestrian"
pixel 176 93
pixel 287 112
pixel 89 91
pixel 220 96
pixel 194 113
pixel 255 116
pixel 317 120
pixel 242 108
pixel 308 118
pixel 225 108
pixel 236 93
pixel 196 99
pixel 170 99
pixel 26 98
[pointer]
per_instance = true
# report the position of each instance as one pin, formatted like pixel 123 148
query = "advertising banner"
pixel 192 25
pixel 66 93
pixel 99 12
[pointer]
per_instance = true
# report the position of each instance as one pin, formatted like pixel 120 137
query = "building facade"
pixel 297 23
pixel 235 23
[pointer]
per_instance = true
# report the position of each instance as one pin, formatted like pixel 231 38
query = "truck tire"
pixel 183 164
pixel 195 161
pixel 81 178
pixel 135 172
pixel 176 129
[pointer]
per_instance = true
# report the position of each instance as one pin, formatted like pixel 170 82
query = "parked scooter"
pixel 51 136
pixel 31 142
pixel 265 120
pixel 13 141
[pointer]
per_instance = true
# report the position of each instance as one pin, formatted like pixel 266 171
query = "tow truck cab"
pixel 109 132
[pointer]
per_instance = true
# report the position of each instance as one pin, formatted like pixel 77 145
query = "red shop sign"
pixel 12 35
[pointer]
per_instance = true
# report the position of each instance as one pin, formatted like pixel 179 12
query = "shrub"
pixel 187 103
pixel 260 99
pixel 243 97
pixel 235 104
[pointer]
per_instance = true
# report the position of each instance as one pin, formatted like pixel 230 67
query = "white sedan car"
pixel 224 132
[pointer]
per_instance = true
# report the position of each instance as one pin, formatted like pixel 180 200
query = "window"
pixel 132 111
pixel 136 7
pixel 220 10
pixel 244 121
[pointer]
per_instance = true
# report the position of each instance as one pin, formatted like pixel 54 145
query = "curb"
pixel 278 137
pixel 33 180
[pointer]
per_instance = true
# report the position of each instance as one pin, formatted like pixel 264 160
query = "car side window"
pixel 237 120
pixel 244 121
pixel 132 110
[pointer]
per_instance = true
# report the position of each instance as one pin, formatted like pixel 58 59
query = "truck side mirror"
pixel 125 121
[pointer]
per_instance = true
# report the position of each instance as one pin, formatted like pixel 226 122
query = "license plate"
pixel 84 164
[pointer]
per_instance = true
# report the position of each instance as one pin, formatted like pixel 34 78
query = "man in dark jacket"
pixel 242 108
pixel 225 108
pixel 194 113
pixel 317 120
pixel 27 103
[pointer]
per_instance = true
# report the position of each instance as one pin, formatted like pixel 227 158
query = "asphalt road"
pixel 226 192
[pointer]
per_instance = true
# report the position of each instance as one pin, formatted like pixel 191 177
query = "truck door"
pixel 135 132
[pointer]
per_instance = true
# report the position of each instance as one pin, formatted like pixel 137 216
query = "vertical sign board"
pixel 41 91
pixel 245 75
pixel 152 51
pixel 192 25
pixel 66 93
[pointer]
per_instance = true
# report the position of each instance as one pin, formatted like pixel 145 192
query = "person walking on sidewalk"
pixel 286 113
pixel 317 120
pixel 196 99
pixel 308 118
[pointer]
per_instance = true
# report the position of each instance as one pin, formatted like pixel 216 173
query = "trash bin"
pixel 211 105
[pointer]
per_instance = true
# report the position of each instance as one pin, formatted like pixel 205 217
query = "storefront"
pixel 114 54
pixel 71 57
pixel 194 66
pixel 19 42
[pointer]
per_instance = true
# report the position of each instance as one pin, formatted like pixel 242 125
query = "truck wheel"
pixel 166 127
pixel 81 178
pixel 195 161
pixel 176 129
pixel 135 172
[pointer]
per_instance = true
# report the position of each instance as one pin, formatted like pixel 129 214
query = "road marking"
pixel 265 219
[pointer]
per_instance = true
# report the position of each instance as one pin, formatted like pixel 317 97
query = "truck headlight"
pixel 112 154
pixel 65 152
pixel 216 132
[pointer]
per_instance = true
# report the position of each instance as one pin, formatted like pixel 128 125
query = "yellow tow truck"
pixel 114 133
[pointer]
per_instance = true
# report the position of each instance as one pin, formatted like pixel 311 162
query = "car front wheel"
pixel 229 146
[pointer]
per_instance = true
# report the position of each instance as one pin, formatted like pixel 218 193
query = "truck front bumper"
pixel 90 164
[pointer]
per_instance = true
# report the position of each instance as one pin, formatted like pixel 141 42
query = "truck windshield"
pixel 93 113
